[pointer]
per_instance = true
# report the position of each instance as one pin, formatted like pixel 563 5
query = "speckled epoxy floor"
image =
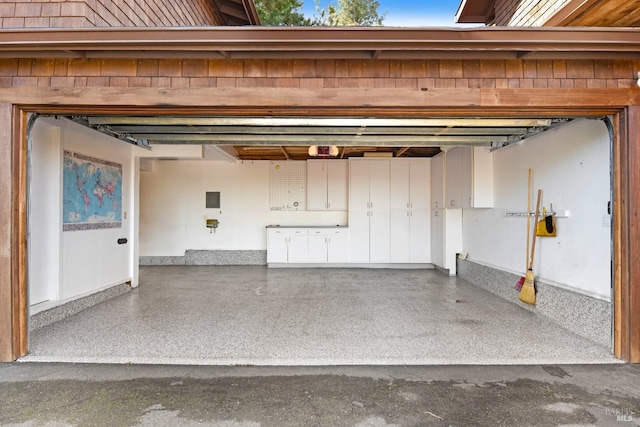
pixel 251 315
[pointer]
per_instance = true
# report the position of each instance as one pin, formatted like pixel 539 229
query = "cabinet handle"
pixel 452 202
pixel 407 213
pixel 436 213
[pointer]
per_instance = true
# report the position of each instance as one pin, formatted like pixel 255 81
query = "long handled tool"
pixel 528 292
pixel 520 282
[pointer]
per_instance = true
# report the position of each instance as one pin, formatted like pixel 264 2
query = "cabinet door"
pixel 338 185
pixel 359 236
pixel 437 182
pixel 358 184
pixel 453 178
pixel 479 184
pixel 298 250
pixel 399 236
pixel 317 247
pixel 338 246
pixel 467 177
pixel 379 236
pixel 276 246
pixel 379 184
pixel 420 184
pixel 316 185
pixel 437 237
pixel 399 184
pixel 420 236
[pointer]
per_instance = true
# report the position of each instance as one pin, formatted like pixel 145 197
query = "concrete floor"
pixel 239 315
pixel 61 395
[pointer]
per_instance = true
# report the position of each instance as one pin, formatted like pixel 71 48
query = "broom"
pixel 528 292
pixel 520 282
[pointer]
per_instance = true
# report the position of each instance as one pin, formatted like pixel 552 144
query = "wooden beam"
pixel 20 234
pixel 284 151
pixel 13 235
pixel 6 240
pixel 401 151
pixel 553 98
pixel 626 236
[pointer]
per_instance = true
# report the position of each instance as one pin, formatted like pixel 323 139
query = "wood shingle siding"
pixel 106 13
pixel 319 74
pixel 526 13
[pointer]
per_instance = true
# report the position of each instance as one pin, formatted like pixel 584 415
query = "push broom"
pixel 520 282
pixel 528 291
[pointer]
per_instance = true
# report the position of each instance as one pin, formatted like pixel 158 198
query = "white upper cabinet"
pixel 410 184
pixel 477 172
pixel 469 178
pixel 437 181
pixel 419 184
pixel 369 184
pixel 453 178
pixel 327 185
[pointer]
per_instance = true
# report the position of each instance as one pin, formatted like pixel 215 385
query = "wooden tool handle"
pixel 530 190
pixel 533 245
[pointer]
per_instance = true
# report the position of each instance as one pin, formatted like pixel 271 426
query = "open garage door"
pixel 415 316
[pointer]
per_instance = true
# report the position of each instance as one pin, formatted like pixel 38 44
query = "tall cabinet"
pixel 446 221
pixel 410 227
pixel 369 215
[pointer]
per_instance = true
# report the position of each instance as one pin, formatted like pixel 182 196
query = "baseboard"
pixel 348 265
pixel 69 308
pixel 209 257
pixel 585 315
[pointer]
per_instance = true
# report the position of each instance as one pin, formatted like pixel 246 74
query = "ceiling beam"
pixel 401 151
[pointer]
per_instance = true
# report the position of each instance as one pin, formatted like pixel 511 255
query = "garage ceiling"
pixel 278 138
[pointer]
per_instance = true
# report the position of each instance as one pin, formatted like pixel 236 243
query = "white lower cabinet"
pixel 369 236
pixel 328 245
pixel 410 237
pixel 286 245
pixel 307 245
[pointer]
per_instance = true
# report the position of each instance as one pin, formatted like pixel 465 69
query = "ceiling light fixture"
pixel 323 151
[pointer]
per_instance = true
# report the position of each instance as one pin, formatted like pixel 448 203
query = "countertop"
pixel 306 226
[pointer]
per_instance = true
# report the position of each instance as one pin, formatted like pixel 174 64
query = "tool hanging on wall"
pixel 520 282
pixel 528 291
pixel 546 227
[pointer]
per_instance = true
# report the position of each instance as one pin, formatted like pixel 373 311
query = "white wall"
pixel 45 198
pixel 172 207
pixel 90 260
pixel 571 165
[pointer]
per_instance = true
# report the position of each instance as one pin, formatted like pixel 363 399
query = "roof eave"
pixel 323 42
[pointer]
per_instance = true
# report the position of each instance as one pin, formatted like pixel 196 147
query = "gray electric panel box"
pixel 213 199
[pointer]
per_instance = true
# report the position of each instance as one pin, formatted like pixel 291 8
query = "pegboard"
pixel 288 185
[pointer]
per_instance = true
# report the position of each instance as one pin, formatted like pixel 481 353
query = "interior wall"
pixel 571 164
pixel 173 212
pixel 90 260
pixel 45 197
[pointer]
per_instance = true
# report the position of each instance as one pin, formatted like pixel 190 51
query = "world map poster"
pixel 92 194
